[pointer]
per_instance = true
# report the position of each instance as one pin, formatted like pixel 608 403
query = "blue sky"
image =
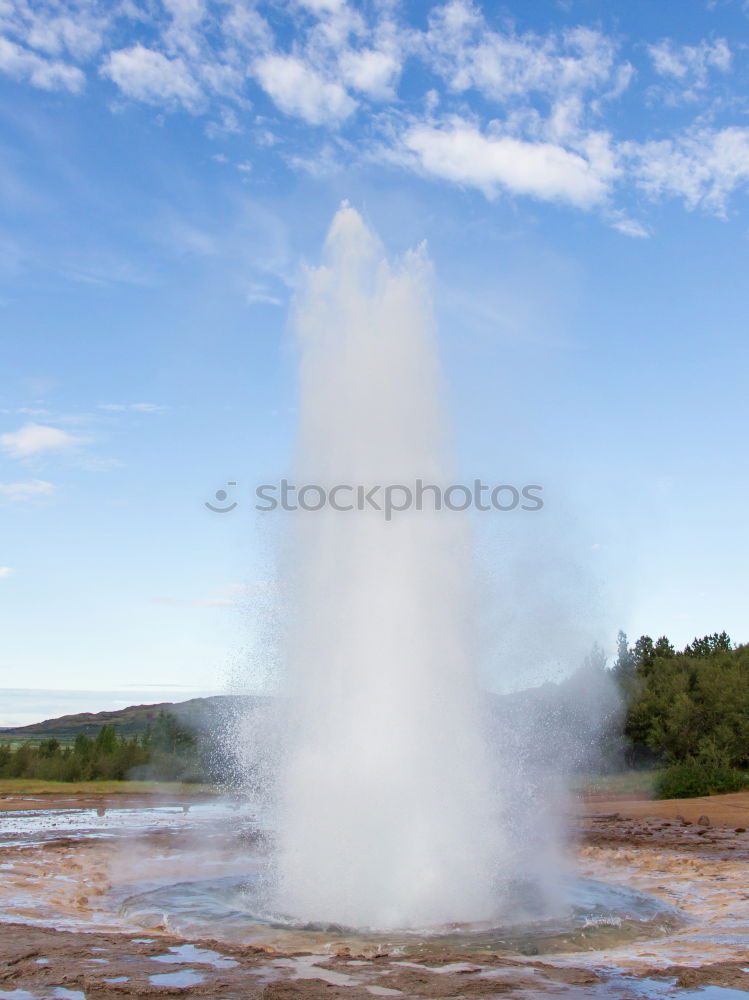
pixel 579 172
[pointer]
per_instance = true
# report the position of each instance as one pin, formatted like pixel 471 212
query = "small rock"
pixel 740 829
pixel 704 821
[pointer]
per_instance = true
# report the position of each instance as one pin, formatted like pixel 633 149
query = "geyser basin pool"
pixel 234 909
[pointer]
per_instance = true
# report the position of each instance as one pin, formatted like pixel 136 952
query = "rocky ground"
pixel 694 855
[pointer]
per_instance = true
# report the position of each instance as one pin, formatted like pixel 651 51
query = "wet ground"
pixel 65 874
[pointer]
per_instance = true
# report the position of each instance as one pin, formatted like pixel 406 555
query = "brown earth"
pixel 722 810
pixel 74 961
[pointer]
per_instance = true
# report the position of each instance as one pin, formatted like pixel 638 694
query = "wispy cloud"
pixel 5 572
pixel 504 65
pixel 487 105
pixel 136 407
pixel 628 227
pixel 689 66
pixel 702 166
pixel 26 491
pixel 46 74
pixel 36 439
pixel 150 76
pixel 260 294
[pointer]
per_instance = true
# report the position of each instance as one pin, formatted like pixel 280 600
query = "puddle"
pixel 306 967
pixel 203 956
pixel 626 988
pixel 35 826
pixel 183 978
pixel 56 993
pixel 713 993
pixel 450 967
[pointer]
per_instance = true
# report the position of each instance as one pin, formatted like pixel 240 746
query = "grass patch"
pixel 37 786
pixel 625 783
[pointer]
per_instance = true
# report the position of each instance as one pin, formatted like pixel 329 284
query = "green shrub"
pixel 167 751
pixel 691 779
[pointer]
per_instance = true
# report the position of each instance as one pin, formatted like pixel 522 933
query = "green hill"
pixel 200 714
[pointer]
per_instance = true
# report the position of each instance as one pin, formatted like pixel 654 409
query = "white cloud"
pixel 461 153
pixel 704 166
pixel 34 439
pixel 244 25
pixel 323 6
pixel 324 162
pixel 370 71
pixel 690 64
pixel 46 74
pixel 529 107
pixel 228 124
pixel 150 76
pixel 630 227
pixel 469 55
pixel 300 90
pixel 183 33
pixel 147 407
pixel 260 294
pixel 81 34
pixel 5 572
pixel 25 491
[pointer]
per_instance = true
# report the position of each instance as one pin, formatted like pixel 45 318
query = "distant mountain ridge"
pixel 203 714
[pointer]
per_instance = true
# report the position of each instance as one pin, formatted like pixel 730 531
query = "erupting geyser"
pixel 388 814
pixel 401 828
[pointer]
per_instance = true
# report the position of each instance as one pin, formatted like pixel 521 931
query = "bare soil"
pixel 721 810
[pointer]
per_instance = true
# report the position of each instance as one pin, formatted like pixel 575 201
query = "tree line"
pixel 688 710
pixel 166 751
